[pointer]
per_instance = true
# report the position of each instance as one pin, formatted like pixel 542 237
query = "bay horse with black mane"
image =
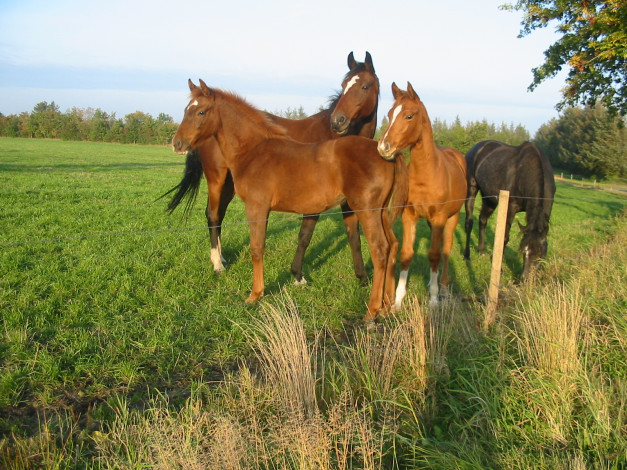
pixel 271 171
pixel 437 187
pixel 526 173
pixel 352 112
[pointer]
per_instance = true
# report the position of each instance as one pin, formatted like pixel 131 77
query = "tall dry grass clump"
pixel 159 437
pixel 550 343
pixel 569 389
pixel 550 329
pixel 426 334
pixel 287 360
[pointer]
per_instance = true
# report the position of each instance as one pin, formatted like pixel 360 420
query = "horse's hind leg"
pixel 304 238
pixel 257 224
pixel 379 253
pixel 390 275
pixel 351 222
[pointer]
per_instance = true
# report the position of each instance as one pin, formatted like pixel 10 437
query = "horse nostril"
pixel 339 121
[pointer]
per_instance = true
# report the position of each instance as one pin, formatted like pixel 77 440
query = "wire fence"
pixel 246 221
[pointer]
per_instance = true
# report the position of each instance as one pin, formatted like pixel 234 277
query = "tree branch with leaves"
pixel 593 45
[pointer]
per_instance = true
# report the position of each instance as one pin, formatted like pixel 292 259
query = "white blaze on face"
pixel 349 85
pixel 395 114
pixel 193 103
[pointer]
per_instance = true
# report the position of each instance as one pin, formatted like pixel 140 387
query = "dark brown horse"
pixel 526 173
pixel 352 112
pixel 437 186
pixel 271 171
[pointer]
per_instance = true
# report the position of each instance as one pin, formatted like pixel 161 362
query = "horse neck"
pixel 315 128
pixel 365 127
pixel 424 154
pixel 238 132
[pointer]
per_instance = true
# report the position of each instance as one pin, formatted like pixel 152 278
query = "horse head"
pixel 359 98
pixel 198 123
pixel 534 244
pixel 406 122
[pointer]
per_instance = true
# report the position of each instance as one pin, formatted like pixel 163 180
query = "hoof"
pixel 252 298
pixel 302 282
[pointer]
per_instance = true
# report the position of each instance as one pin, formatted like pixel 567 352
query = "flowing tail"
pixel 401 188
pixel 187 189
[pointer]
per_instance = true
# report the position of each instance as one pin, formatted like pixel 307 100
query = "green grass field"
pixel 114 324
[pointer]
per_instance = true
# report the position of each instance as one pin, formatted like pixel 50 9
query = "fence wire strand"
pixel 233 223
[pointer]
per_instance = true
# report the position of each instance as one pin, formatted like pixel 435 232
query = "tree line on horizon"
pixel 48 122
pixel 588 141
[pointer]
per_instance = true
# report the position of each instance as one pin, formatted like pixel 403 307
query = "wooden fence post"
pixel 497 259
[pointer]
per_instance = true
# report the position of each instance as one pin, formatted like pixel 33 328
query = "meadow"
pixel 121 348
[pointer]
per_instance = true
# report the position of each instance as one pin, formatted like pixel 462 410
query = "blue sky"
pixel 463 57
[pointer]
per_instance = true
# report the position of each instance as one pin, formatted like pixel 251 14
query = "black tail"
pixel 188 187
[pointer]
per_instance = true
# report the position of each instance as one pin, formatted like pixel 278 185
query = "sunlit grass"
pixel 120 347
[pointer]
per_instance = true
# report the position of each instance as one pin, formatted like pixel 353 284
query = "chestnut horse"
pixel 352 112
pixel 437 187
pixel 271 171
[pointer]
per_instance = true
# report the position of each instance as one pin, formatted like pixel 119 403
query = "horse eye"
pixel 409 117
pixel 201 113
pixel 365 87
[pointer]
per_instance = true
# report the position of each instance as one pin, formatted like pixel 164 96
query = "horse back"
pixel 524 171
pixel 315 128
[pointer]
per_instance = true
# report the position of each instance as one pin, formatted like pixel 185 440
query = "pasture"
pixel 121 348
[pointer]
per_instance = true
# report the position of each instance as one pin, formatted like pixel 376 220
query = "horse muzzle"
pixel 386 152
pixel 179 146
pixel 339 124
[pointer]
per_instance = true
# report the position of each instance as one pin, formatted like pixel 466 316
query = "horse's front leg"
pixel 470 206
pixel 220 193
pixel 435 255
pixel 409 220
pixel 484 215
pixel 257 224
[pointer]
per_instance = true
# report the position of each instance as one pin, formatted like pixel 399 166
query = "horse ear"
pixel 412 92
pixel 205 89
pixel 351 61
pixel 369 61
pixel 191 85
pixel 396 91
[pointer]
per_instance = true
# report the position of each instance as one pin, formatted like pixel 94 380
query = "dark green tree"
pixel 593 45
pixel 586 141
